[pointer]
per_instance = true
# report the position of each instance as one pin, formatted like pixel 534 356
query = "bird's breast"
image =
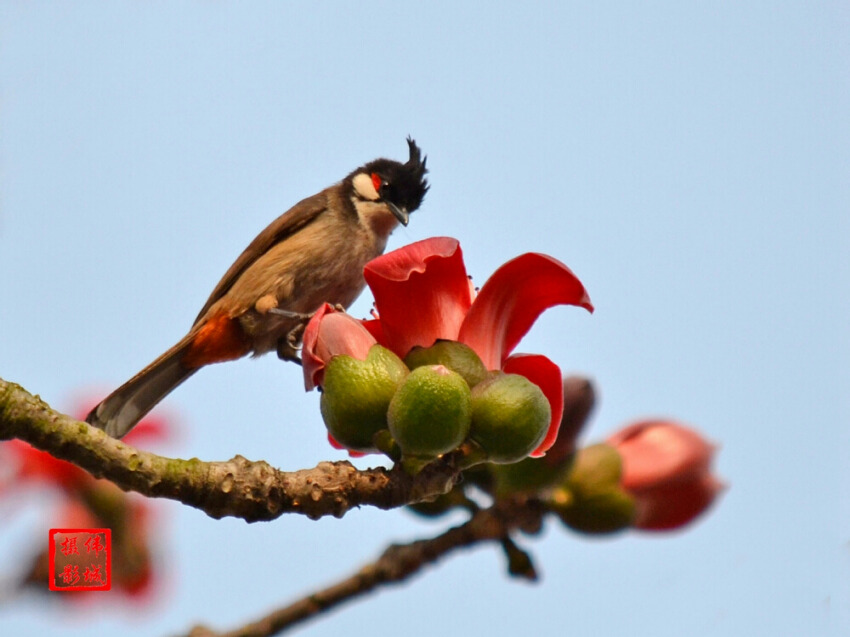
pixel 301 274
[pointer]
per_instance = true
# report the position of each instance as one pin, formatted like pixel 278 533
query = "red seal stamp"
pixel 80 559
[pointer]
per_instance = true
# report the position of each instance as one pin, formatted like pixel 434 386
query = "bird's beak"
pixel 399 213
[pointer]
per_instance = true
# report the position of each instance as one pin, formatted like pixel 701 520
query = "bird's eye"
pixel 377 182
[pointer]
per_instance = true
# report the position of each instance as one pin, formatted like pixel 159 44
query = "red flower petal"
pixel 421 293
pixel 674 505
pixel 373 326
pixel 330 333
pixel 75 514
pixel 656 452
pixel 151 429
pixel 547 376
pixel 336 445
pixel 512 299
pixel 666 468
pixel 311 363
pixel 34 465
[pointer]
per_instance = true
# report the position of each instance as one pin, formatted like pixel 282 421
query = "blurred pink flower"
pixel 667 470
pixel 90 503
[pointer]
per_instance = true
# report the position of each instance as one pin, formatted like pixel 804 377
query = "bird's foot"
pixel 287 348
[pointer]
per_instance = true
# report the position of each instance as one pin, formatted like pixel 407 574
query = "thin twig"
pixel 397 563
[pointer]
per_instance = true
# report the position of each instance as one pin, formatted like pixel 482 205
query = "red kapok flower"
pixel 330 333
pixel 667 469
pixel 422 294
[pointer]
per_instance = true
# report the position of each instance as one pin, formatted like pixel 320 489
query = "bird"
pixel 312 254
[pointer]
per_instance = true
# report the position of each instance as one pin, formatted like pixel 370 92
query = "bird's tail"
pixel 122 409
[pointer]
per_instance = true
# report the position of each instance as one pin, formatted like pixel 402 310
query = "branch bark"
pixel 253 491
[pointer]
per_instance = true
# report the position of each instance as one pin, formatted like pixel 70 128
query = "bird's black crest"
pixel 416 164
pixel 405 183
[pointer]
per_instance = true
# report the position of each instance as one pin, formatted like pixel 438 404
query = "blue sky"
pixel 689 163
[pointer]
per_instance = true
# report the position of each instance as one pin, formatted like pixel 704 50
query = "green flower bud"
pixel 596 513
pixel 597 503
pixel 510 417
pixel 356 395
pixel 456 356
pixel 529 475
pixel 595 468
pixel 430 413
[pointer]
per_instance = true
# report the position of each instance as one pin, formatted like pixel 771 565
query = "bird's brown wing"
pixel 290 222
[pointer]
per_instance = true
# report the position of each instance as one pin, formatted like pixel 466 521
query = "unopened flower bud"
pixel 510 417
pixel 357 393
pixel 456 356
pixel 529 475
pixel 430 413
pixel 579 397
pixel 594 501
pixel 667 470
pixel 599 513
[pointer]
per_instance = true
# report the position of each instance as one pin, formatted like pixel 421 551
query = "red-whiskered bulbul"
pixel 312 254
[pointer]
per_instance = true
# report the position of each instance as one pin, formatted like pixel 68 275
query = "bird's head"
pixel 400 186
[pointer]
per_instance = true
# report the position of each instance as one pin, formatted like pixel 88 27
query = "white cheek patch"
pixel 364 187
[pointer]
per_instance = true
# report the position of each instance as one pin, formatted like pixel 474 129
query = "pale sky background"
pixel 689 163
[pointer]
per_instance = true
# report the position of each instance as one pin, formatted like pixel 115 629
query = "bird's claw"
pixel 287 348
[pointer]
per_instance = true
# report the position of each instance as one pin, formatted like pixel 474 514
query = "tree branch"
pixel 253 491
pixel 397 563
